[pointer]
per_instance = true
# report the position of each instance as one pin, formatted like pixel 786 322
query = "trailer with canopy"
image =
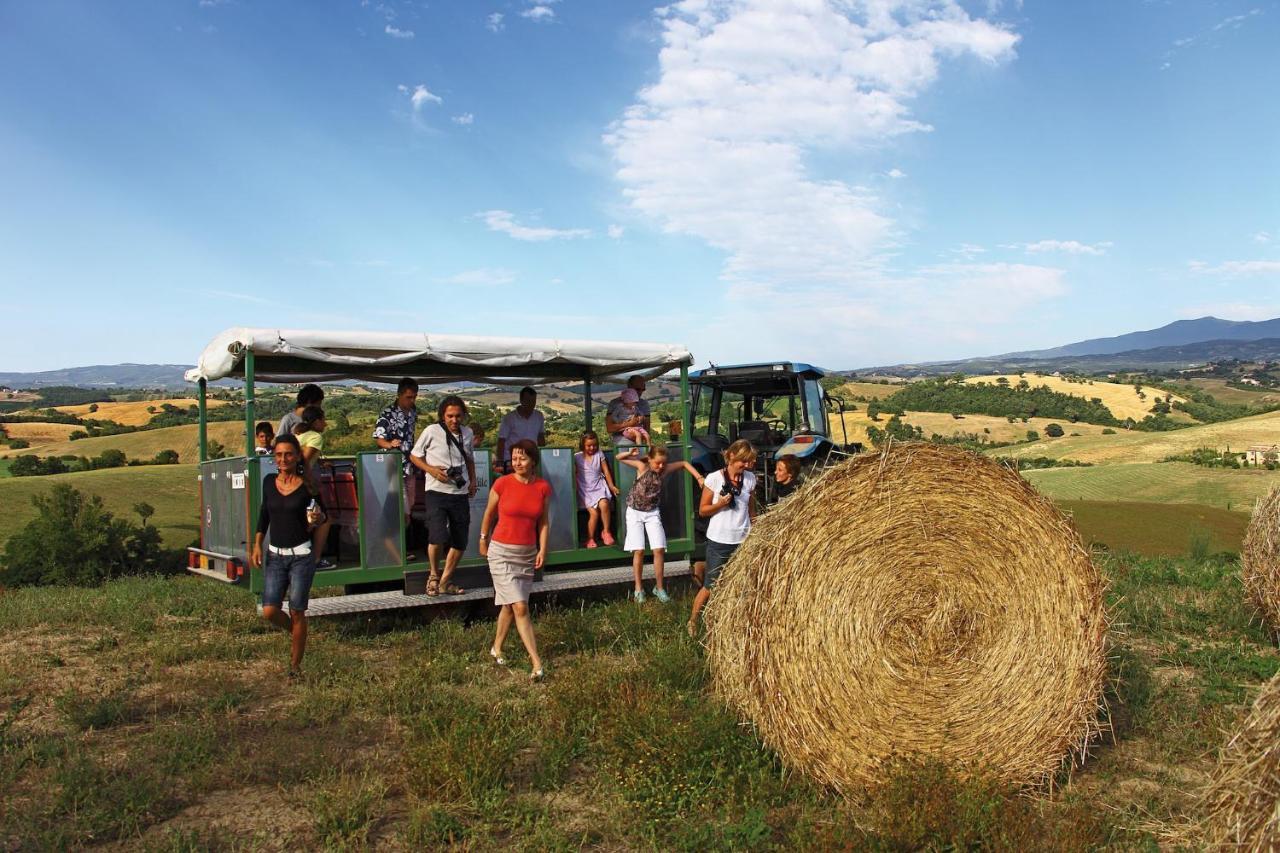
pixel 364 493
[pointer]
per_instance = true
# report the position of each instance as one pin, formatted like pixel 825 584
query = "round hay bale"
pixel 1260 558
pixel 1242 806
pixel 920 603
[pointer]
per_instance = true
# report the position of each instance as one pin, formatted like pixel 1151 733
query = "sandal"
pixel 497 658
pixel 452 589
pixel 433 586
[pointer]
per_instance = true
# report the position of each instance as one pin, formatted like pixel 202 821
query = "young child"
pixel 630 402
pixel 786 476
pixel 643 517
pixel 310 435
pixel 726 500
pixel 263 436
pixel 595 486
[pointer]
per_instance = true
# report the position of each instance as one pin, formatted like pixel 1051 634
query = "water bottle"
pixel 313 511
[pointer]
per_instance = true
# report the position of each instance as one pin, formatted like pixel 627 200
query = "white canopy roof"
pixel 294 355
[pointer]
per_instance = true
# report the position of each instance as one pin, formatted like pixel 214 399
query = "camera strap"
pixel 454 442
pixel 728 482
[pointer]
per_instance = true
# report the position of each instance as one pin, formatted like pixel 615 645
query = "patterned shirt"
pixel 646 491
pixel 394 422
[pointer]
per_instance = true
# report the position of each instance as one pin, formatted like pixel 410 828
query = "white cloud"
pixel 397 33
pixel 420 95
pixel 615 232
pixel 1070 247
pixel 1263 237
pixel 1236 269
pixel 466 119
pixel 493 23
pixel 484 276
pixel 539 13
pixel 719 146
pixel 231 294
pixel 896 173
pixel 504 222
pixel 1232 22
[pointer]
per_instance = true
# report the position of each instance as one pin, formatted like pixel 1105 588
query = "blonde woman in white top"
pixel 726 501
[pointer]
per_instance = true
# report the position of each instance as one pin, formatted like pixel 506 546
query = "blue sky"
pixel 847 183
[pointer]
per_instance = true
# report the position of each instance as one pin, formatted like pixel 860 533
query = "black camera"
pixel 454 475
pixel 727 490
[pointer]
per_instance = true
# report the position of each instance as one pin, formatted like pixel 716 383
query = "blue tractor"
pixel 780 407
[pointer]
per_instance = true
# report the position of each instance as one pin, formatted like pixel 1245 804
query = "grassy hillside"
pixel 38 434
pixel 146 444
pixel 943 424
pixel 132 414
pixel 1235 396
pixel 154 714
pixel 1122 400
pixel 1153 446
pixel 171 489
pixel 1157 529
pixel 1168 482
pixel 866 390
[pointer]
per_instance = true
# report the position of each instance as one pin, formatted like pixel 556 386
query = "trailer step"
pixel 210 573
pixel 561 581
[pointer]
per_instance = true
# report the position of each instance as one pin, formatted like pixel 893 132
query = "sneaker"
pixel 638 596
pixel 661 595
pixel 326 564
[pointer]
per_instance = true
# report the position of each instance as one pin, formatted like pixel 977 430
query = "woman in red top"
pixel 518 547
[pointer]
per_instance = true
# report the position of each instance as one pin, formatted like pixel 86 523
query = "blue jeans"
pixel 294 572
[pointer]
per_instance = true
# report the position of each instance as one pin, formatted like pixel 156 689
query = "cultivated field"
pixel 171 489
pixel 1235 396
pixel 154 714
pixel 132 414
pixel 1167 482
pixel 867 390
pixel 1157 529
pixel 147 443
pixel 944 424
pixel 37 434
pixel 1122 400
pixel 1133 446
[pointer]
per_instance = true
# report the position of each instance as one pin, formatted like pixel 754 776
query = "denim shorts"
pixel 718 553
pixel 294 572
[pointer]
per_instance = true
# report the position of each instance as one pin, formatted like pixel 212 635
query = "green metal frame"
pixel 683 546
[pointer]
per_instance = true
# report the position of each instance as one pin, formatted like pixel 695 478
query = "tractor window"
pixel 814 411
pixel 702 395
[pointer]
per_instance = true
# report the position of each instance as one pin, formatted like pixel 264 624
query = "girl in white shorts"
pixel 643 518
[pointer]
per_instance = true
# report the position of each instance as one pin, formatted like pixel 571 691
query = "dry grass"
pixel 868 390
pixel 131 414
pixel 40 434
pixel 1122 400
pixel 1223 393
pixel 920 603
pixel 1260 558
pixel 146 444
pixel 944 424
pixel 1243 802
pixel 1135 446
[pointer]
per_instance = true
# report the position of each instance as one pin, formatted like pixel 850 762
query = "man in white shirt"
pixel 524 421
pixel 444 450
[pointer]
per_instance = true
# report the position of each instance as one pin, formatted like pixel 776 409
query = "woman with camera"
pixel 290 512
pixel 726 500
pixel 444 450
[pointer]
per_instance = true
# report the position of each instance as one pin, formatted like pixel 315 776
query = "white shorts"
pixel 641 523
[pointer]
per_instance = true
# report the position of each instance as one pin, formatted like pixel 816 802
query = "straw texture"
pixel 1243 803
pixel 1260 559
pixel 923 602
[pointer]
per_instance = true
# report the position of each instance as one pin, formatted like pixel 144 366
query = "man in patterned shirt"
pixel 395 431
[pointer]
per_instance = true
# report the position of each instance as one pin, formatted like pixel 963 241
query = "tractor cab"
pixel 780 407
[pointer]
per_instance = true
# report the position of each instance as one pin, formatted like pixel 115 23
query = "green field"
pixel 1165 482
pixel 171 489
pixel 154 714
pixel 1157 529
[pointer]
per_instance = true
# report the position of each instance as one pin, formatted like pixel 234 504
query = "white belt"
pixel 296 551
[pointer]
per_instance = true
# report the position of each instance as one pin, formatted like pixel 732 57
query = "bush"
pixel 167 457
pixel 30 465
pixel 1032 435
pixel 77 434
pixel 74 540
pixel 1108 431
pixel 19 443
pixel 1053 431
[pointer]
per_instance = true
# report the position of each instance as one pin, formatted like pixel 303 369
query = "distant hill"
pixel 1174 357
pixel 1175 334
pixel 103 376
